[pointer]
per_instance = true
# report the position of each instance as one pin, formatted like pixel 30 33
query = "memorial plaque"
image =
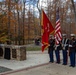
pixel 7 53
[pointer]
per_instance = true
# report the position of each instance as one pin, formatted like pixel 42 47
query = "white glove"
pixel 70 45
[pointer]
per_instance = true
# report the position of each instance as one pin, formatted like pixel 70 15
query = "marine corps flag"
pixel 47 29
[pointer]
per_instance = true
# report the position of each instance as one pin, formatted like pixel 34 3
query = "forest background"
pixel 20 22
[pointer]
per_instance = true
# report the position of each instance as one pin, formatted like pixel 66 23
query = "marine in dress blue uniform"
pixel 72 48
pixel 65 44
pixel 57 52
pixel 51 49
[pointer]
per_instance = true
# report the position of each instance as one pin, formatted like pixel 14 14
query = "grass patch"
pixel 34 48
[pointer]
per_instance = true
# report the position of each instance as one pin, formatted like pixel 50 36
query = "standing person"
pixel 57 52
pixel 65 44
pixel 51 48
pixel 58 36
pixel 37 41
pixel 72 47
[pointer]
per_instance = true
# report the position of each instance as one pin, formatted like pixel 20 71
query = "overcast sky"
pixel 40 5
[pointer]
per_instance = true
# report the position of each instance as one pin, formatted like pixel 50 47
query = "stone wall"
pixel 13 52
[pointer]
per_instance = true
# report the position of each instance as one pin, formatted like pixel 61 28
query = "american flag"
pixel 58 36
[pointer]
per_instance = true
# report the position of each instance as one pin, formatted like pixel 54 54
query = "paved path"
pixel 36 64
pixel 47 69
pixel 33 58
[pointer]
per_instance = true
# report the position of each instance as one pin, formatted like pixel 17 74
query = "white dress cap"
pixel 72 34
pixel 63 34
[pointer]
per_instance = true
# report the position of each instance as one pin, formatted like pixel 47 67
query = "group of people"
pixel 68 47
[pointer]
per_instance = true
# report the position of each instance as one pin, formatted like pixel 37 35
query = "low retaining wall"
pixel 13 52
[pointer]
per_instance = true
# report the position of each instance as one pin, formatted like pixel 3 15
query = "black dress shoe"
pixel 51 61
pixel 58 62
pixel 70 65
pixel 64 64
pixel 73 66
